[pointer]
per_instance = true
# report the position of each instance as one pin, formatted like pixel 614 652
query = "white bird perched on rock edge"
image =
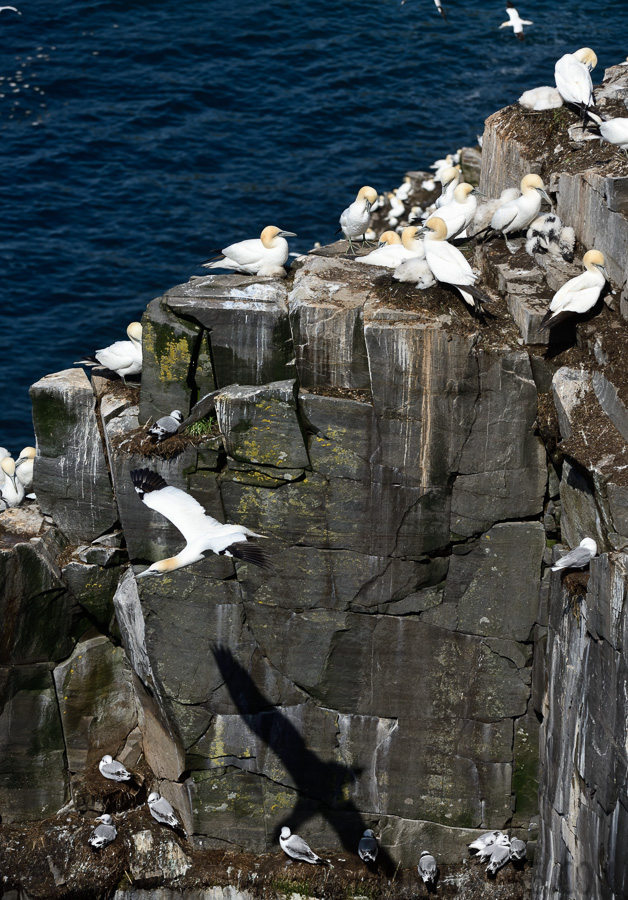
pixel 518 849
pixel 427 868
pixel 578 558
pixel 458 214
pixel 261 256
pixel 163 812
pixel 24 467
pixel 515 21
pixel 295 847
pixel 203 534
pixel 500 855
pixel 392 249
pixel 166 426
pixel 122 357
pixel 448 265
pixel 572 74
pixel 103 834
pixel 519 213
pixel 615 131
pixel 367 846
pixel 484 840
pixel 113 770
pixel 580 294
pixel 502 840
pixel 449 179
pixel 539 98
pixel 356 218
pixel 12 491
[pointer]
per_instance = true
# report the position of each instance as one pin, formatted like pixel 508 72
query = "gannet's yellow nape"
pixel 587 56
pixel 437 228
pixel 367 193
pixel 270 233
pixel 449 174
pixel 134 331
pixel 388 238
pixel 594 259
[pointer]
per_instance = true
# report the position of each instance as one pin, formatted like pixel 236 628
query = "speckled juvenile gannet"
pixel 518 214
pixel 515 21
pixel 427 868
pixel 113 770
pixel 578 558
pixel 123 357
pixel 448 265
pixel 580 294
pixel 458 214
pixel 24 467
pixel 356 218
pixel 264 255
pixel 367 846
pixel 165 426
pixel 547 234
pixel 163 812
pixel 12 491
pixel 103 834
pixel 203 534
pixel 615 131
pixel 572 74
pixel 295 847
pixel 539 98
pixel 450 179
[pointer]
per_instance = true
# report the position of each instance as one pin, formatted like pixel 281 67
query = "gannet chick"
pixel 24 467
pixel 402 192
pixel 543 235
pixel 295 847
pixel 448 265
pixel 540 98
pixel 165 426
pixel 518 214
pixel 427 868
pixel 450 179
pixel 458 214
pixel 113 770
pixel 515 21
pixel 484 840
pixel 367 846
pixel 416 271
pixel 572 73
pixel 578 295
pixel 12 490
pixel 123 357
pixel 615 131
pixel 486 211
pixel 500 855
pixel 356 218
pixel 203 534
pixel 578 558
pixel 163 812
pixel 255 256
pixel 518 849
pixel 103 834
pixel 567 242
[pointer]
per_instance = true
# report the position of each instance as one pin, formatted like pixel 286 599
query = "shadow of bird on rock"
pixel 319 784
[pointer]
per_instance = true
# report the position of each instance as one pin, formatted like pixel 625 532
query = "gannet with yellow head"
pixel 12 491
pixel 450 179
pixel 356 218
pixel 578 295
pixel 518 214
pixel 572 74
pixel 123 357
pixel 615 131
pixel 392 249
pixel 24 467
pixel 458 214
pixel 257 256
pixel 448 265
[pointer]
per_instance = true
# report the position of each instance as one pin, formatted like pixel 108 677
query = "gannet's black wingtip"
pixel 145 481
pixel 250 552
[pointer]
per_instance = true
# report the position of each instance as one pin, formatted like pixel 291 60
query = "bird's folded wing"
pixel 298 845
pixel 245 252
pixel 574 559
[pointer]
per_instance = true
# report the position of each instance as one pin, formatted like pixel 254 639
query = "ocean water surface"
pixel 137 136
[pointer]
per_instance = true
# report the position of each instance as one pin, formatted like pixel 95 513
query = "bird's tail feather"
pixel 87 361
pixel 250 552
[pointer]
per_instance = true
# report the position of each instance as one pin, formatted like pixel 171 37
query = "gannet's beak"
pixel 478 192
pixel 145 573
pixel 544 195
pixel 286 234
pixel 604 272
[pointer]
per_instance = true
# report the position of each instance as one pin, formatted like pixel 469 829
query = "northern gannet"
pixel 103 834
pixel 123 357
pixel 578 558
pixel 262 256
pixel 295 847
pixel 163 812
pixel 500 855
pixel 615 131
pixel 448 265
pixel 12 491
pixel 539 98
pixel 367 846
pixel 24 467
pixel 165 426
pixel 403 191
pixel 580 294
pixel 113 770
pixel 518 849
pixel 396 211
pixel 486 210
pixel 393 249
pixel 437 4
pixel 515 21
pixel 449 179
pixel 518 214
pixel 415 271
pixel 203 534
pixel 458 214
pixel 427 868
pixel 356 218
pixel 572 73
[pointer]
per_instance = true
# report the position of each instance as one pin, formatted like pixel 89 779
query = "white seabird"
pixel 578 558
pixel 547 234
pixel 519 213
pixel 449 179
pixel 163 812
pixel 165 426
pixel 578 295
pixel 572 74
pixel 12 8
pixel 615 131
pixel 501 841
pixel 448 265
pixel 486 210
pixel 397 209
pixel 500 855
pixel 539 98
pixel 103 834
pixel 113 770
pixel 122 357
pixel 518 849
pixel 484 840
pixel 402 192
pixel 262 256
pixel 393 249
pixel 415 270
pixel 427 868
pixel 12 491
pixel 24 467
pixel 356 218
pixel 203 534
pixel 295 847
pixel 515 21
pixel 458 214
pixel 367 846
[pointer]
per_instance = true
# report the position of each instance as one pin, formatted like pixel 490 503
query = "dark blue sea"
pixel 137 136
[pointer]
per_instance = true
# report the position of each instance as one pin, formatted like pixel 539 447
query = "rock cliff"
pixel 411 665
